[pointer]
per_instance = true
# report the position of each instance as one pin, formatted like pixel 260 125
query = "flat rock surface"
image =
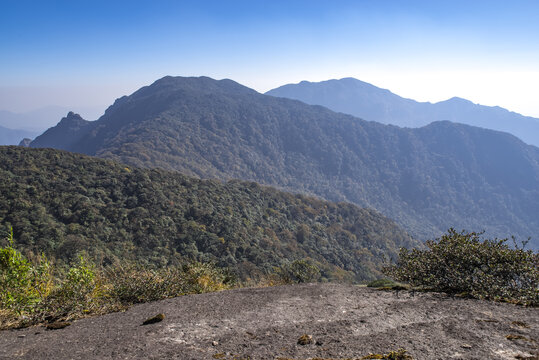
pixel 344 321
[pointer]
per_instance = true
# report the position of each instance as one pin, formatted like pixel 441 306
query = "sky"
pixel 84 54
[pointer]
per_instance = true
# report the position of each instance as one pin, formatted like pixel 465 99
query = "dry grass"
pixel 86 291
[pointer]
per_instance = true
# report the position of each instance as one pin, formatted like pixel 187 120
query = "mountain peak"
pixel 72 119
pixel 358 98
pixel 457 100
pixel 65 134
pixel 25 142
pixel 193 84
pixel 318 93
pixel 344 81
pixel 168 89
pixel 72 116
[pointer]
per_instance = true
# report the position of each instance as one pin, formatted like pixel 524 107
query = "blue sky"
pixel 85 54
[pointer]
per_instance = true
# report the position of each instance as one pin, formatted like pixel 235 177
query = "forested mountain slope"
pixel 62 203
pixel 361 99
pixel 427 179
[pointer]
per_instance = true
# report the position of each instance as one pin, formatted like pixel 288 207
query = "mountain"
pixel 358 98
pixel 427 179
pixel 62 203
pixel 25 142
pixel 36 120
pixel 14 137
pixel 66 134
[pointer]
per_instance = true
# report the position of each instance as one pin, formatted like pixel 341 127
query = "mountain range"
pixel 361 99
pixel 427 179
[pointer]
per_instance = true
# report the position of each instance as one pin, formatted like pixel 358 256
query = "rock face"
pixel 345 321
pixel 154 319
pixel 25 142
pixel 69 131
pixel 428 179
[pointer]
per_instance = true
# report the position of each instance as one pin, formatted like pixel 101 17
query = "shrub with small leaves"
pixel 23 284
pixel 29 295
pixel 130 283
pixel 399 354
pixel 298 271
pixel 205 277
pixel 462 262
pixel 81 291
pixel 382 283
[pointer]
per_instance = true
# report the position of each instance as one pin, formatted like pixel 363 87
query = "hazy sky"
pixel 87 53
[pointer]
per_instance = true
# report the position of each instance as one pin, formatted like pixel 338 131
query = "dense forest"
pixel 428 179
pixel 64 204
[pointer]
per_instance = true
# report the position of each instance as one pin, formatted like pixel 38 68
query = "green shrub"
pixel 29 295
pixel 80 280
pixel 462 262
pixel 298 271
pixel 81 291
pixel 399 354
pixel 23 284
pixel 130 283
pixel 381 283
pixel 201 277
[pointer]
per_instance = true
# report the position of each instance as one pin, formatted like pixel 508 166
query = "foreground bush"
pixel 30 294
pixel 82 290
pixel 131 284
pixel 298 271
pixel 22 284
pixel 382 283
pixel 461 262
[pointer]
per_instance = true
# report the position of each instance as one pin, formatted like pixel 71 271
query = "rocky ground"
pixel 344 321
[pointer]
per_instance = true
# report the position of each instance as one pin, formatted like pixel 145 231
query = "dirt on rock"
pixel 344 321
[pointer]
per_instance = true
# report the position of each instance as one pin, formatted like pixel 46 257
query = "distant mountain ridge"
pixel 38 120
pixel 14 137
pixel 427 179
pixel 361 99
pixel 14 127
